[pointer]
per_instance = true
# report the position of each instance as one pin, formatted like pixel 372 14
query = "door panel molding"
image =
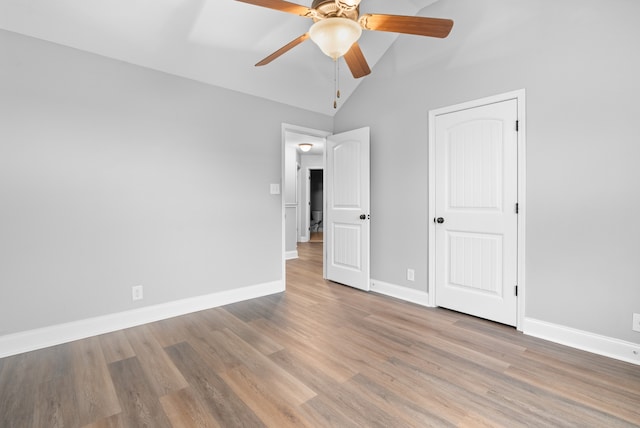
pixel 347 228
pixel 519 96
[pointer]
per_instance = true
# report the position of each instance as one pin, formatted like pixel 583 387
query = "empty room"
pixel 321 213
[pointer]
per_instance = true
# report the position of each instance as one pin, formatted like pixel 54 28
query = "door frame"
pixel 287 127
pixel 519 96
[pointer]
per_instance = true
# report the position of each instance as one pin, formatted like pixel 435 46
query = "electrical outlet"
pixel 636 322
pixel 411 275
pixel 136 292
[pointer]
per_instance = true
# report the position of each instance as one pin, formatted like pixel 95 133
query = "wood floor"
pixel 318 355
pixel 316 237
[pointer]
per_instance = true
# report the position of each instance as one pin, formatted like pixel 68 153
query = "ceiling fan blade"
pixel 432 27
pixel 292 44
pixel 356 61
pixel 281 5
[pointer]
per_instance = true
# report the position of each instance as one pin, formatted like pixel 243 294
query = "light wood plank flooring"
pixel 316 237
pixel 319 355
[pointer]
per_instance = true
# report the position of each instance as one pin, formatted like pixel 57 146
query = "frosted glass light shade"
pixel 335 36
pixel 305 147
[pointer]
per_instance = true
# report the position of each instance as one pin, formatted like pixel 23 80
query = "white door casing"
pixel 474 256
pixel 346 233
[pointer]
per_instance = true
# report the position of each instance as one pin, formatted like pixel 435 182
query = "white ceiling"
pixel 211 41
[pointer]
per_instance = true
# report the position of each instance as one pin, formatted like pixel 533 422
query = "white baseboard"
pixel 399 292
pixel 288 255
pixel 304 239
pixel 18 343
pixel 584 340
pixel 590 342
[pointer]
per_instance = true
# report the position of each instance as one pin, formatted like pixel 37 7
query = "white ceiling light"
pixel 334 36
pixel 305 147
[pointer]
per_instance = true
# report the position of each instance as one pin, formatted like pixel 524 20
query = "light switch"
pixel 275 189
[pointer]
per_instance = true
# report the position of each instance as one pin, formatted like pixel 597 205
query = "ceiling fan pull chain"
pixel 336 91
pixel 338 77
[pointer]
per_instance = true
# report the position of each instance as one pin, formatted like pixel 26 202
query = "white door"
pixel 347 215
pixel 476 191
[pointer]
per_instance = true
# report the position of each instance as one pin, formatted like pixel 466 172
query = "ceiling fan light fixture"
pixel 305 147
pixel 335 36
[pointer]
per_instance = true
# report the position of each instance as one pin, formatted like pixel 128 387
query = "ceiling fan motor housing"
pixel 330 8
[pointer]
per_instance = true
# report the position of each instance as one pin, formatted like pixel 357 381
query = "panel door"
pixel 347 214
pixel 476 220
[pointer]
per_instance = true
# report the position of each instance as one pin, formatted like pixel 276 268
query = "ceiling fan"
pixel 338 26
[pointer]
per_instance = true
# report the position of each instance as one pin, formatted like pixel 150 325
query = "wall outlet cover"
pixel 136 292
pixel 636 322
pixel 411 275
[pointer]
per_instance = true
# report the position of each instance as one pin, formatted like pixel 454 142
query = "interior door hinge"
pixel 516 291
pixel 517 125
pixel 517 208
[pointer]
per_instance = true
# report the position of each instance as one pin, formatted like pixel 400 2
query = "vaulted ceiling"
pixel 211 41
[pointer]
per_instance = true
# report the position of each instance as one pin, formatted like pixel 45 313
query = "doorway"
pixel 345 219
pixel 296 163
pixel 316 205
pixel 476 207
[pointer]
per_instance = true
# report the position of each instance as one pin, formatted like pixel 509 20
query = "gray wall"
pixel 291 160
pixel 112 175
pixel 578 61
pixel 290 192
pixel 290 229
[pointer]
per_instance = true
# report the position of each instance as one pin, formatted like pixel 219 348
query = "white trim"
pixel 519 96
pixel 30 340
pixel 325 207
pixel 431 230
pixel 522 204
pixel 306 224
pixel 298 198
pixel 304 209
pixel 288 255
pixel 399 292
pixel 584 340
